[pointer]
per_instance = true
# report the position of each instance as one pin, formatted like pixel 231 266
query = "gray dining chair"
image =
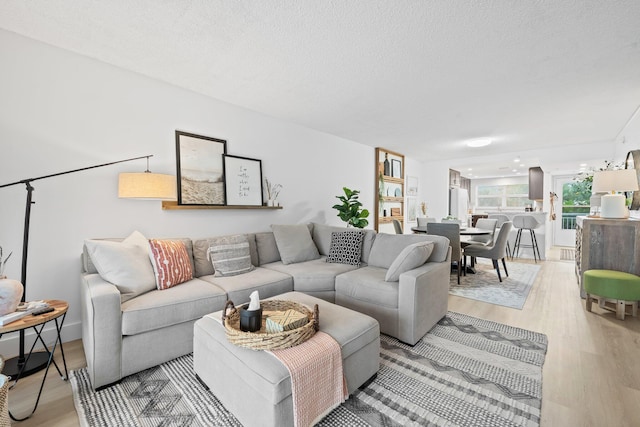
pixel 494 252
pixel 502 218
pixel 484 224
pixel 397 226
pixel 450 230
pixel 423 221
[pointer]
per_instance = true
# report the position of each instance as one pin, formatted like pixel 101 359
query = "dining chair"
pixel 502 218
pixel 397 226
pixel 494 252
pixel 450 230
pixel 484 224
pixel 423 221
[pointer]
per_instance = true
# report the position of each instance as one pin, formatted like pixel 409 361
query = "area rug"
pixel 464 372
pixel 484 285
pixel 567 254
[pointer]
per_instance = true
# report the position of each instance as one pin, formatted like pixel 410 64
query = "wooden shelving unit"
pixel 168 205
pixel 388 183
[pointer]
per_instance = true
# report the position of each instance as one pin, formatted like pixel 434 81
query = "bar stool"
pixel 526 222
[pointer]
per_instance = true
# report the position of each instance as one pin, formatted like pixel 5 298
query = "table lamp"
pixel 612 205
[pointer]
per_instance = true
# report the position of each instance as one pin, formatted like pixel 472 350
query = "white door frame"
pixel 561 237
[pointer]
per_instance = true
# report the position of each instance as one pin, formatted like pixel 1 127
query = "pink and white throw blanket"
pixel 317 381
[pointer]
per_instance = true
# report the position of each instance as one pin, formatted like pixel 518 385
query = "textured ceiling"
pixel 418 77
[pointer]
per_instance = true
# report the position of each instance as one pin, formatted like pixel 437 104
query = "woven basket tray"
pixel 263 340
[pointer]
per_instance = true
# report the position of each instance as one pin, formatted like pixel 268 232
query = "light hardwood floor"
pixel 591 373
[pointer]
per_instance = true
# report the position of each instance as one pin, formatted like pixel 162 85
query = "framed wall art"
pixel 396 168
pixel 242 181
pixel 200 169
pixel 412 210
pixel 412 185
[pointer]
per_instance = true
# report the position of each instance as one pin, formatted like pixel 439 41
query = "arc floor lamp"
pixel 143 185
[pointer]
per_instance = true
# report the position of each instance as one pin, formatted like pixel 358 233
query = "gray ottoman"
pixel 255 386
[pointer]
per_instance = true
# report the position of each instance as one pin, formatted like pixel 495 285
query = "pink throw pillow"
pixel 171 263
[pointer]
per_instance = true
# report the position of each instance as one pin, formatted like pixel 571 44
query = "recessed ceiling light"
pixel 480 142
pixel 517 159
pixel 515 170
pixel 583 165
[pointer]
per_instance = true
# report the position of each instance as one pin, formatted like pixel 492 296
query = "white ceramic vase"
pixel 10 295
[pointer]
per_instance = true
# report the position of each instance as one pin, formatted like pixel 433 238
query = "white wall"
pixel 61 111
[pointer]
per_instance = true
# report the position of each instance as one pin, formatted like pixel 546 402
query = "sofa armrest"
pixel 423 299
pixel 101 329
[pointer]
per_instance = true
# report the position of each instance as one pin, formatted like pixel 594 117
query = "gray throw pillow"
pixel 295 243
pixel 411 257
pixel 230 255
pixel 346 247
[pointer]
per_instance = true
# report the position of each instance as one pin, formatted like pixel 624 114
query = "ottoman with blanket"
pixel 255 386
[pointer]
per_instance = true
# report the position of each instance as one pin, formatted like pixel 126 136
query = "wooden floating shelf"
pixel 387 178
pixel 385 219
pixel 169 205
pixel 392 199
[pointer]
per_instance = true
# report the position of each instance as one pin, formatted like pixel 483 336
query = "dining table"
pixel 464 231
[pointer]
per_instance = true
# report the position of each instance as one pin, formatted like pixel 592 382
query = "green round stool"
pixel 612 286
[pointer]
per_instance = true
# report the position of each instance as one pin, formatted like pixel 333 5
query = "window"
pixel 503 196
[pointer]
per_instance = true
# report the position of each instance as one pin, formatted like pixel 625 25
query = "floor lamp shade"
pixel 613 205
pixel 147 185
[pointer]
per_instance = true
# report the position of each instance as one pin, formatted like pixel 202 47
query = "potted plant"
pixel 350 210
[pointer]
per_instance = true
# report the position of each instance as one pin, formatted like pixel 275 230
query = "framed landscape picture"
pixel 242 181
pixel 200 171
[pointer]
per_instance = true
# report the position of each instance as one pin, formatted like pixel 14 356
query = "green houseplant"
pixel 350 210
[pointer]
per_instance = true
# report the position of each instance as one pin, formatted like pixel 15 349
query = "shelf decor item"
pixel 242 181
pixel 273 191
pixel 200 169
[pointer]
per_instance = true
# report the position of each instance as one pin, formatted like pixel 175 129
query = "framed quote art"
pixel 242 181
pixel 200 169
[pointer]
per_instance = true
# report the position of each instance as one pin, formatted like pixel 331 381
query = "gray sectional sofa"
pixel 125 331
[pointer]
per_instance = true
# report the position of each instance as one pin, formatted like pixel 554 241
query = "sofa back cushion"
pixel 295 243
pixel 267 248
pixel 387 247
pixel 202 262
pixel 322 238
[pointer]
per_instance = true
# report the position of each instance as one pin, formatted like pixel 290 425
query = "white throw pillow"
pixel 295 243
pixel 411 257
pixel 126 264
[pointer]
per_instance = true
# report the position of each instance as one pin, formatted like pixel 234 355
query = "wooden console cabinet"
pixel 609 244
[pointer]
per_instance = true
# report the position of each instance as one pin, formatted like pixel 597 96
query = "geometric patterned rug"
pixel 465 372
pixel 484 284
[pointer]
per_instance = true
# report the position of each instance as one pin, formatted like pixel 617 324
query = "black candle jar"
pixel 250 320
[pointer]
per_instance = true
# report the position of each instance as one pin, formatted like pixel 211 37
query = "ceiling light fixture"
pixel 480 142
pixel 517 159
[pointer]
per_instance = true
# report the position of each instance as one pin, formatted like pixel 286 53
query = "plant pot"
pixel 10 295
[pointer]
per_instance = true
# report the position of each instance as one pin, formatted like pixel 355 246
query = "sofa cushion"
pixel 294 243
pixel 126 264
pixel 267 248
pixel 267 282
pixel 230 255
pixel 367 284
pixel 321 234
pixel 170 261
pixel 202 262
pixel 411 257
pixel 387 247
pixel 312 276
pixel 158 309
pixel 346 247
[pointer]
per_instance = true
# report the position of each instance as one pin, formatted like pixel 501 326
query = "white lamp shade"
pixel 618 180
pixel 147 185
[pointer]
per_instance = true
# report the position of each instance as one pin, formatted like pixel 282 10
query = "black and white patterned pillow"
pixel 346 247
